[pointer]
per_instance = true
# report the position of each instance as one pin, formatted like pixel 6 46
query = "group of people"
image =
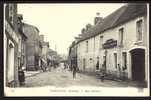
pixel 73 68
pixel 102 71
pixel 48 65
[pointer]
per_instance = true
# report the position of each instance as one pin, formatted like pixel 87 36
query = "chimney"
pixel 83 30
pixel 88 26
pixel 41 37
pixel 97 19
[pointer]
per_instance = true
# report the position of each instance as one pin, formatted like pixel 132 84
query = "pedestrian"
pixel 102 73
pixel 102 70
pixel 74 70
pixel 97 65
pixel 41 64
pixel 123 73
pixel 64 65
pixel 119 68
pixel 21 77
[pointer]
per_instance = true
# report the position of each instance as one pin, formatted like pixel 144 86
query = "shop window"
pixel 139 30
pixel 121 31
pixel 124 54
pixel 115 60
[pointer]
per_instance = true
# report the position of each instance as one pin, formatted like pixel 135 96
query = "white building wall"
pixel 5 50
pixel 129 42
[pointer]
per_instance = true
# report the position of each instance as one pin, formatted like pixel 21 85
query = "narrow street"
pixel 61 77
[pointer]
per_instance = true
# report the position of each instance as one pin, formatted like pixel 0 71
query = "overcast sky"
pixel 60 23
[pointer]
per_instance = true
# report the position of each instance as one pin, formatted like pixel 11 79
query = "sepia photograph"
pixel 76 49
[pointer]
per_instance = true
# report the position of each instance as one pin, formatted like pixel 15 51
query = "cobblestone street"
pixel 61 77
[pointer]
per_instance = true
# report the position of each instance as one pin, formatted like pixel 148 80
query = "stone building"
pixel 13 40
pixel 22 43
pixel 120 42
pixel 32 46
pixel 44 49
pixel 72 57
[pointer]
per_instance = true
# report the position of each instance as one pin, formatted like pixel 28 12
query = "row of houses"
pixel 118 42
pixel 24 48
pixel 13 48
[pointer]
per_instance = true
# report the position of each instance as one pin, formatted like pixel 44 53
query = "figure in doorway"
pixel 119 68
pixel 97 64
pixel 103 69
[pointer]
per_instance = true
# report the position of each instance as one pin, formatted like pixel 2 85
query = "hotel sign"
pixel 10 31
pixel 111 43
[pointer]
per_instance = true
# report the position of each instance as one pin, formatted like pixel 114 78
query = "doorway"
pixel 10 69
pixel 138 64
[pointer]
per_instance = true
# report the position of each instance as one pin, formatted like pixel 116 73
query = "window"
pixel 19 46
pixel 139 30
pixel 121 31
pixel 101 42
pixel 124 54
pixel 86 46
pixel 115 60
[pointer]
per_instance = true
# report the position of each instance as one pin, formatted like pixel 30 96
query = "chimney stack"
pixel 88 26
pixel 97 19
pixel 41 37
pixel 83 30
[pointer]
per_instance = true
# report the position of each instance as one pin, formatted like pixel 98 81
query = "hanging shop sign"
pixel 111 43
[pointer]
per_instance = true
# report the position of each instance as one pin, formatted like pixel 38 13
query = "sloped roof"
pixel 123 14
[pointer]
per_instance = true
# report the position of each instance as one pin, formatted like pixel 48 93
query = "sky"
pixel 60 23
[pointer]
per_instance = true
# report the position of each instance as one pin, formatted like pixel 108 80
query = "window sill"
pixel 138 42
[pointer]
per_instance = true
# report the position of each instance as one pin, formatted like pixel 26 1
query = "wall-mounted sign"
pixel 110 44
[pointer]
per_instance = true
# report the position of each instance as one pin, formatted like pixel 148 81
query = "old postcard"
pixel 76 49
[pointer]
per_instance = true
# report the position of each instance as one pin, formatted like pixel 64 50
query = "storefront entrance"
pixel 138 64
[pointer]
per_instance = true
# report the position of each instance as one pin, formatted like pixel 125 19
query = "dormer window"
pixel 139 30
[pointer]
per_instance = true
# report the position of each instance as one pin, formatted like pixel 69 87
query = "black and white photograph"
pixel 76 49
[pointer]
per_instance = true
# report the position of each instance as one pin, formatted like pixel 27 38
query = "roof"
pixel 120 16
pixel 29 25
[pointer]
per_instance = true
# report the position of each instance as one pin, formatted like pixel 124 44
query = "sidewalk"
pixel 32 73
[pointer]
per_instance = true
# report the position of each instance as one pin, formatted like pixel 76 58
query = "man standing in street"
pixel 74 70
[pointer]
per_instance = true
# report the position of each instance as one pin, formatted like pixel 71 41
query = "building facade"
pixel 32 46
pixel 22 43
pixel 14 38
pixel 119 42
pixel 44 49
pixel 72 57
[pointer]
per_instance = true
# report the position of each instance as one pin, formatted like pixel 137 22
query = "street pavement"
pixel 61 77
pixel 31 73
